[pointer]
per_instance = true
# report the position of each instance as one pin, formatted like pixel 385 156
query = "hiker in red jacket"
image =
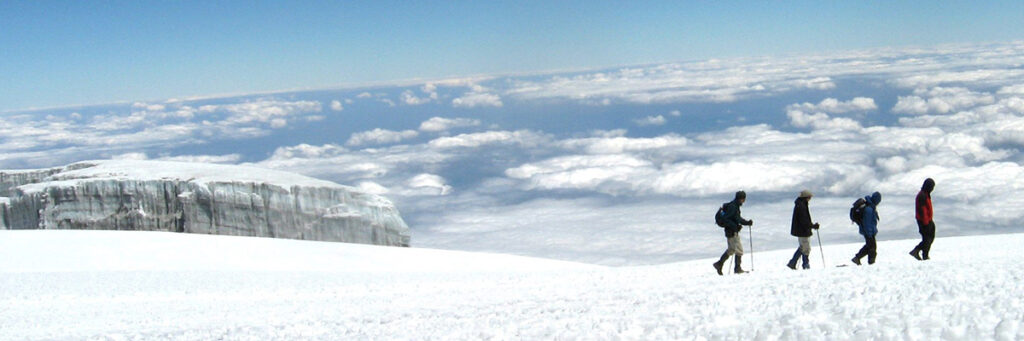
pixel 925 224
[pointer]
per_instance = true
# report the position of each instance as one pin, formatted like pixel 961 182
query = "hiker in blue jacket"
pixel 733 223
pixel 869 228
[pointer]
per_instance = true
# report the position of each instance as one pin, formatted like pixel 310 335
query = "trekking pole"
pixel 821 249
pixel 750 230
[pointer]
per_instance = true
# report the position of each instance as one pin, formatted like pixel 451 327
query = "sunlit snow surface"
pixel 151 285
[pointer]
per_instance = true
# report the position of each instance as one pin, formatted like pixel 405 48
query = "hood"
pixel 874 198
pixel 928 186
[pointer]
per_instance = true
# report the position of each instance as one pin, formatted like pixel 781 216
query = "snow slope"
pixel 153 285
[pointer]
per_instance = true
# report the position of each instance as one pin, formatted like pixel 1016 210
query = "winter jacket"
pixel 733 220
pixel 870 226
pixel 923 206
pixel 802 225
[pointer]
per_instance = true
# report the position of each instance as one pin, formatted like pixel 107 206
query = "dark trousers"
pixel 869 249
pixel 927 237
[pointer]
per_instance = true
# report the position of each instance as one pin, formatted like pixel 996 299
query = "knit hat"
pixel 806 194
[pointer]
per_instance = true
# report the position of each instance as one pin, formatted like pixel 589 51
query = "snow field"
pixel 149 285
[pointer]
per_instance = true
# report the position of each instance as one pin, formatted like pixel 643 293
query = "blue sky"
pixel 61 53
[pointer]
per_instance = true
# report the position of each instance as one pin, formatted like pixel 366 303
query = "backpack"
pixel 857 211
pixel 720 216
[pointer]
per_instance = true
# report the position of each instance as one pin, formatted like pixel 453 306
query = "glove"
pixel 816 226
pixel 751 222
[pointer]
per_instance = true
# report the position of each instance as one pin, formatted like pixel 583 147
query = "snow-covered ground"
pixel 151 285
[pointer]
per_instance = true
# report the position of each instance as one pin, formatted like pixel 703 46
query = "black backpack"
pixel 857 211
pixel 720 216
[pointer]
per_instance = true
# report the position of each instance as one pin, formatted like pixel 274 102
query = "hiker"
pixel 732 222
pixel 925 224
pixel 869 228
pixel 801 228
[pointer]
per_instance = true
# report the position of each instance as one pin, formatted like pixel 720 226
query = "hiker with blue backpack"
pixel 728 217
pixel 801 228
pixel 868 227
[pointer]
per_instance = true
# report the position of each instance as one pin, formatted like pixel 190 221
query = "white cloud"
pixel 428 184
pixel 337 106
pixel 725 177
pixel 409 98
pixel 372 188
pixel 651 121
pixel 988 76
pixel 817 83
pixel 222 159
pixel 602 172
pixel 616 143
pixel 835 106
pixel 148 107
pixel 263 110
pixel 131 156
pixel 438 124
pixel 734 79
pixel 380 136
pixel 821 121
pixel 431 89
pixel 1016 89
pixel 308 151
pixel 474 140
pixel 941 101
pixel 477 99
pixel 816 116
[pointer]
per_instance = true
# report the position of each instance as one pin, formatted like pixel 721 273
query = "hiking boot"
pixel 915 254
pixel 791 265
pixel 855 260
pixel 718 267
pixel 738 269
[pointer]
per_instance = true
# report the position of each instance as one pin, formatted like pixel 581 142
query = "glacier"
pixel 196 198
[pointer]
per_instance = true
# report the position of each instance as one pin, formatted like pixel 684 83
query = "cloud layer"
pixel 618 166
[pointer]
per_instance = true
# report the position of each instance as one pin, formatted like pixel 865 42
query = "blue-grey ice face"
pixel 561 165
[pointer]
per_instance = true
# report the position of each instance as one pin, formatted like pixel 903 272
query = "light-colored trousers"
pixel 735 246
pixel 805 245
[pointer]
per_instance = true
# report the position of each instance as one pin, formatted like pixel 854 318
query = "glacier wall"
pixel 60 199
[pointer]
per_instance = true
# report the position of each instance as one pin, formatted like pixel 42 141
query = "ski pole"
pixel 821 249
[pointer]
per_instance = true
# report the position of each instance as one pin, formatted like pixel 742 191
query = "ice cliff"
pixel 196 198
